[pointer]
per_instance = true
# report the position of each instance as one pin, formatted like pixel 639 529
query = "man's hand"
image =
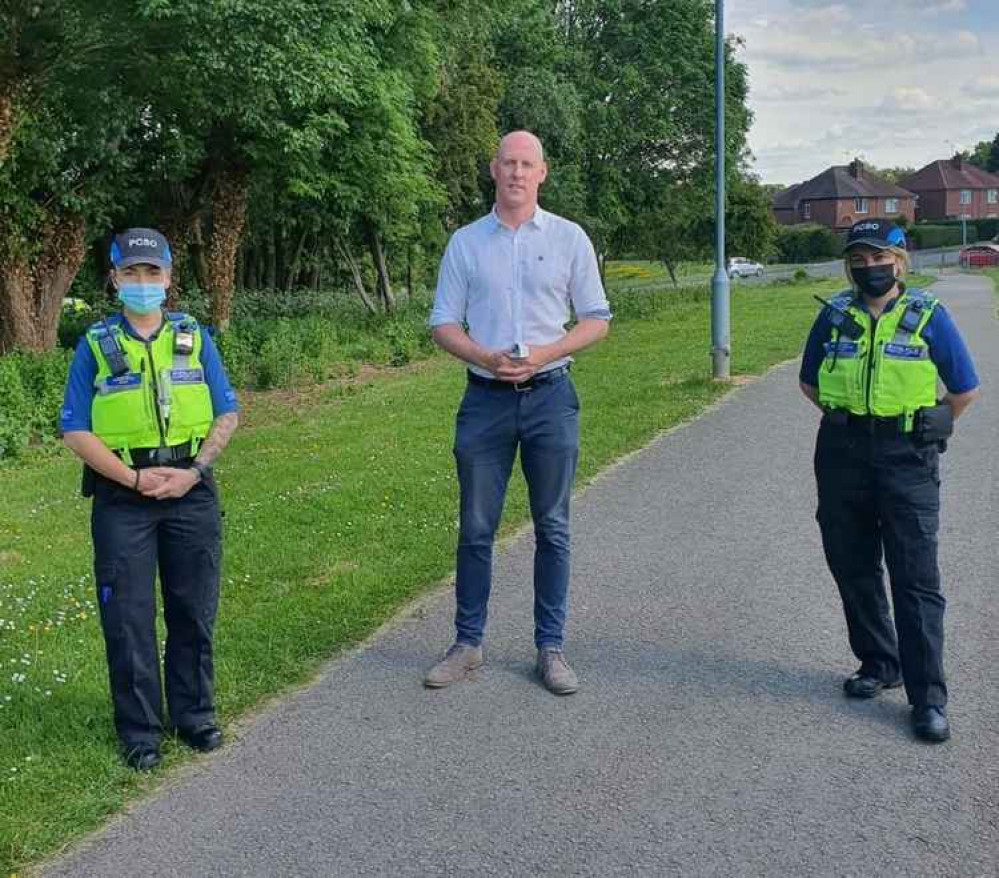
pixel 170 482
pixel 506 368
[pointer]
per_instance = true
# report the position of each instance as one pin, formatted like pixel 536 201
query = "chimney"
pixel 857 169
pixel 958 161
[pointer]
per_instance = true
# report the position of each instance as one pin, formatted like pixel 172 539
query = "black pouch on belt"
pixel 934 424
pixel 88 483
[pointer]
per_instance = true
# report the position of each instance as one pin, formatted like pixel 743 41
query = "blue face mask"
pixel 142 298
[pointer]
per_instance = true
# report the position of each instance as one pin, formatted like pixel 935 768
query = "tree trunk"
pixel 198 252
pixel 296 262
pixel 409 272
pixel 252 269
pixel 378 257
pixel 355 273
pixel 177 229
pixel 271 258
pixel 228 219
pixel 32 290
pixel 8 117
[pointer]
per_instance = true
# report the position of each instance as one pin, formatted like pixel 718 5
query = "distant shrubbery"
pixel 807 242
pixel 950 233
pixel 275 341
pixel 31 387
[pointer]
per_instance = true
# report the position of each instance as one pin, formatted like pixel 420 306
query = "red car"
pixel 980 256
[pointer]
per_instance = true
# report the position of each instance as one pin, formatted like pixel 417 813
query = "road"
pixel 710 738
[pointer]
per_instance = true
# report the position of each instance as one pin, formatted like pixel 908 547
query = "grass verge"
pixel 340 506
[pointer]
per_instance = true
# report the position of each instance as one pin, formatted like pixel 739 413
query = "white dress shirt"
pixel 517 285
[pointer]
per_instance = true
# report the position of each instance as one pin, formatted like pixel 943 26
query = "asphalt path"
pixel 711 736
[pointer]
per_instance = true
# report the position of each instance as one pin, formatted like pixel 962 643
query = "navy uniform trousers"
pixel 133 537
pixel 879 498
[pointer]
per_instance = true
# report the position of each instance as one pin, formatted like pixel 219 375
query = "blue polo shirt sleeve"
pixel 223 396
pixel 815 351
pixel 79 394
pixel 949 353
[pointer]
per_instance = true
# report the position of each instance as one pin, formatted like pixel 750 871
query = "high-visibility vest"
pixel 158 396
pixel 887 370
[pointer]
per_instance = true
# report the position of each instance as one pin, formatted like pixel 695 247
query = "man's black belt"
pixel 165 456
pixel 530 383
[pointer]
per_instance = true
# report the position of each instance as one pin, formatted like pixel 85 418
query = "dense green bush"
pixel 276 340
pixel 31 388
pixel 807 242
pixel 929 237
pixel 950 233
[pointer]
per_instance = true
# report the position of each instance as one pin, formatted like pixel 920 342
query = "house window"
pixel 891 205
pixel 993 196
pixel 860 205
pixel 965 196
pixel 806 209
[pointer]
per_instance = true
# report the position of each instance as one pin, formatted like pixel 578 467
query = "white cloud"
pixel 909 99
pixel 832 79
pixel 982 87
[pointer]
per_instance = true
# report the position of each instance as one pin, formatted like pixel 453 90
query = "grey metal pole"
pixel 720 349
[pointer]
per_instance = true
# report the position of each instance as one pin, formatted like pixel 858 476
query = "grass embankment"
pixel 340 505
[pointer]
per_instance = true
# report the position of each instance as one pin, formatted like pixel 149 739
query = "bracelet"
pixel 138 475
pixel 200 469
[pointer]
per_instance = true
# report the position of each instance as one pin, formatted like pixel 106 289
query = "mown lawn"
pixel 340 505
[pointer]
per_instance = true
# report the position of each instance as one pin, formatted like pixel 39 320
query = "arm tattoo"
pixel 218 437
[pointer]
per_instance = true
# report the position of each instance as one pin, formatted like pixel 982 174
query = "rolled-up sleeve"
pixel 589 300
pixel 451 297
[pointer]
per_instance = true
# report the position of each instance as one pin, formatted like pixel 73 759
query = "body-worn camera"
pixel 183 341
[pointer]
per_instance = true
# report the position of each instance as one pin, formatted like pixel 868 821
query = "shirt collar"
pixel 538 220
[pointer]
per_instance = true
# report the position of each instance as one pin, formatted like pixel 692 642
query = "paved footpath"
pixel 711 737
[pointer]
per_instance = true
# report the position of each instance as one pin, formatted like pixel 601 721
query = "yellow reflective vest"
pixel 154 394
pixel 887 370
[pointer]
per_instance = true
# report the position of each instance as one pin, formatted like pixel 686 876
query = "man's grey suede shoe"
pixel 458 662
pixel 555 672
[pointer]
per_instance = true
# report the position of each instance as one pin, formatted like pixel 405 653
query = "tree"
pixel 66 115
pixel 240 88
pixel 986 155
pixel 645 71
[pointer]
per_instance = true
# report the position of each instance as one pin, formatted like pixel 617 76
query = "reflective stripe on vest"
pixel 161 400
pixel 887 371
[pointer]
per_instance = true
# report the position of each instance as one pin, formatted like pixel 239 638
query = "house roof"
pixel 785 199
pixel 840 181
pixel 952 173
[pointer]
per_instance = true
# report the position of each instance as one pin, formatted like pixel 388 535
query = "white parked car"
pixel 739 266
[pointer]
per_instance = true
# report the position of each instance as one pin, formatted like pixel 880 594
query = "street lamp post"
pixel 720 349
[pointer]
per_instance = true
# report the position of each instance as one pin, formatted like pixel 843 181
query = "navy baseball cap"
pixel 134 246
pixel 877 233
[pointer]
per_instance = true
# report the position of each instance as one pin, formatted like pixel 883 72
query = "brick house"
pixel 954 188
pixel 842 195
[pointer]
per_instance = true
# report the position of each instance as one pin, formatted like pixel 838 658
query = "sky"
pixel 893 82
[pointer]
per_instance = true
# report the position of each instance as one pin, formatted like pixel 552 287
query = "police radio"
pixel 113 354
pixel 845 323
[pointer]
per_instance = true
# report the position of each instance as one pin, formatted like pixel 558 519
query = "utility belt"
pixel 170 455
pixel 931 424
pixel 167 455
pixel 541 378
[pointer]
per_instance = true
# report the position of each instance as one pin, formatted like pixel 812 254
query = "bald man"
pixel 504 293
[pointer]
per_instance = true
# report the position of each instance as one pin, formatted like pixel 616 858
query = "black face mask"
pixel 874 280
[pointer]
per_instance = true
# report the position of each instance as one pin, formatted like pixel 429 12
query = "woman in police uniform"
pixel 872 363
pixel 148 408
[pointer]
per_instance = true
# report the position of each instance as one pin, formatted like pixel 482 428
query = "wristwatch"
pixel 201 469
